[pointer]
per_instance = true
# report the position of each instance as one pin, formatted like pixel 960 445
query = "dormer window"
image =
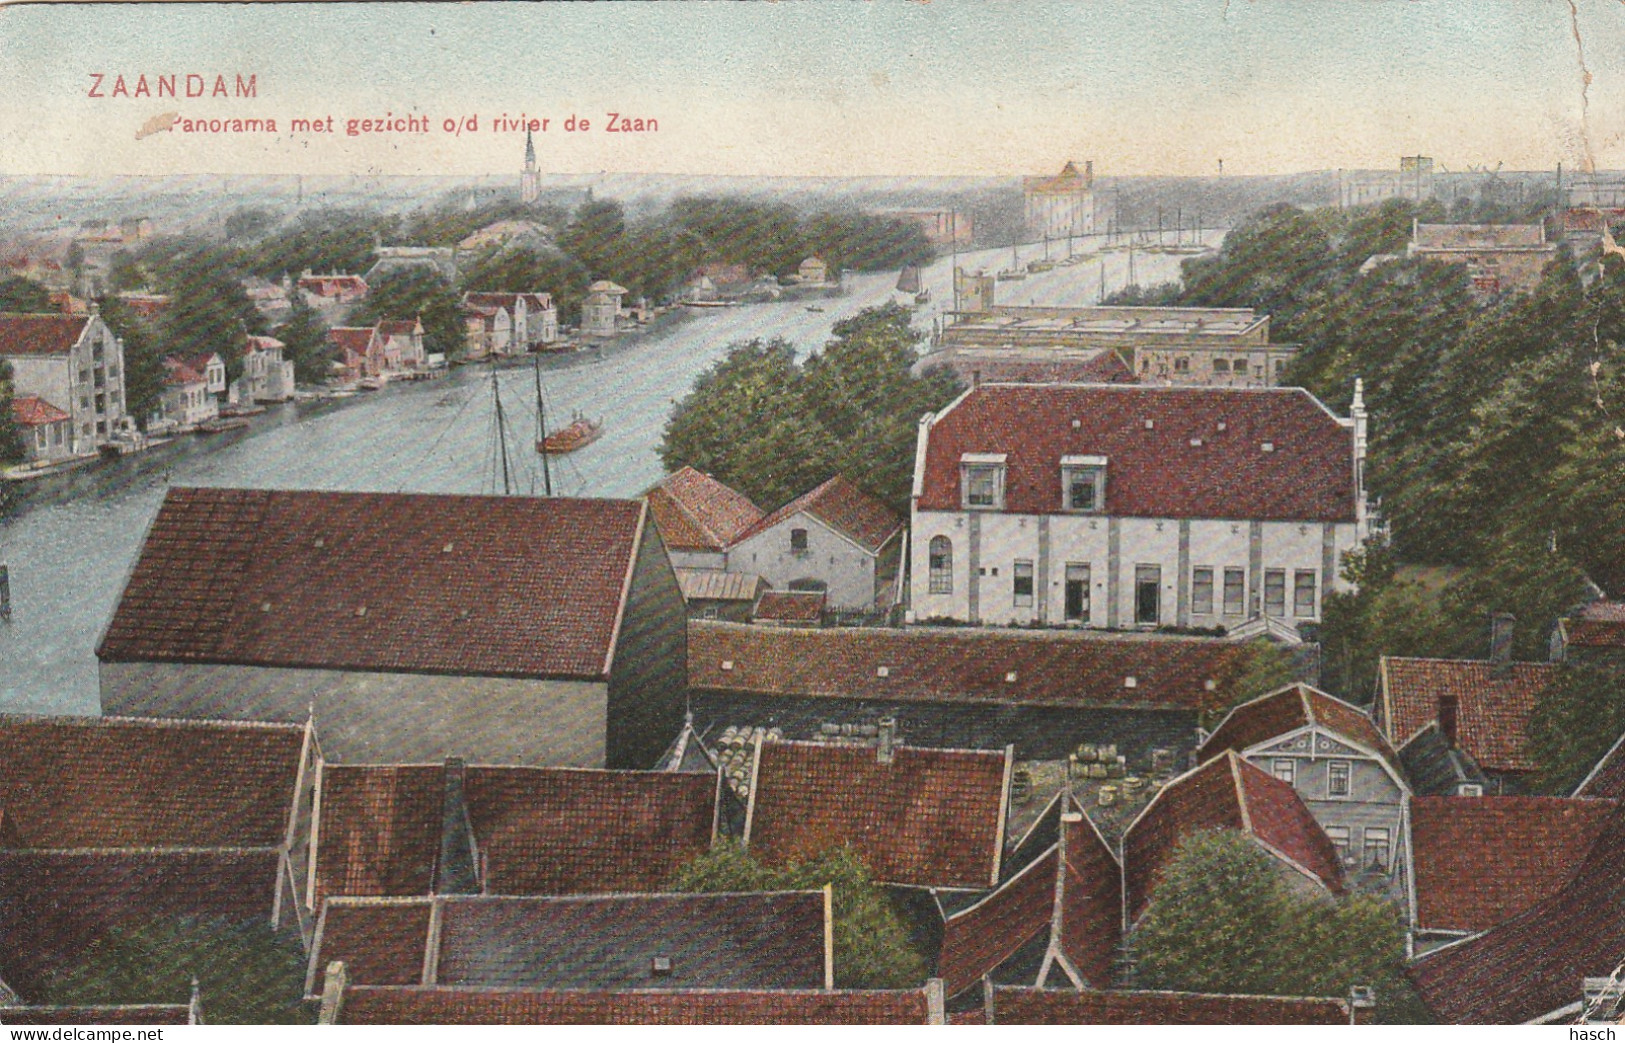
pixel 1083 484
pixel 981 481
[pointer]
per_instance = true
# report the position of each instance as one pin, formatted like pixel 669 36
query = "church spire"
pixel 530 151
pixel 530 179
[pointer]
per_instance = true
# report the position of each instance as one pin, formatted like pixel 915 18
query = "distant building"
pixel 1413 180
pixel 813 272
pixel 267 376
pixel 403 345
pixel 73 362
pixel 1498 258
pixel 530 179
pixel 1226 347
pixel 146 305
pixel 1062 205
pixel 358 350
pixel 334 288
pixel 508 323
pixel 601 311
pixel 46 431
pixel 507 235
pixel 941 227
pixel 1132 507
pixel 517 631
pixel 441 260
pixel 191 389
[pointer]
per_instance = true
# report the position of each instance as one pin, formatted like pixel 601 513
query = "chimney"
pixel 1501 643
pixel 888 740
pixel 1447 718
pixel 455 873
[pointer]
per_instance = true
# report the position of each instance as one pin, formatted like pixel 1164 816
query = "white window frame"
pixel 939 580
pixel 1241 601
pixel 974 466
pixel 1022 570
pixel 1196 610
pixel 1348 779
pixel 1285 769
pixel 1088 467
pixel 1298 608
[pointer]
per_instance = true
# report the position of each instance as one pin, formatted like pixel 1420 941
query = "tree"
pixel 304 339
pixel 530 271
pixel 872 949
pixel 1384 615
pixel 144 371
pixel 1223 920
pixel 11 439
pixel 209 311
pixel 1266 667
pixel 415 293
pixel 24 295
pixel 1576 721
pixel 247 973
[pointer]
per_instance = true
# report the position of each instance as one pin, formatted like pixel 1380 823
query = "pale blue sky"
pixel 828 87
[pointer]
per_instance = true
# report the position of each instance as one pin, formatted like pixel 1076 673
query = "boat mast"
pixel 502 435
pixel 541 432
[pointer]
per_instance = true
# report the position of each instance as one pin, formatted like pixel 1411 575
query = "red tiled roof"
pixel 760 940
pixel 578 831
pixel 1607 779
pixel 843 507
pixel 1224 793
pixel 378 830
pixel 398 327
pixel 110 782
pixel 32 411
pixel 1090 911
pixel 1492 713
pixel 179 373
pixel 932 818
pixel 328 285
pixel 1481 860
pixel 1025 1006
pixel 1600 624
pixel 963 665
pixel 1155 472
pixel 380 942
pixel 790 606
pixel 1534 963
pixel 483 301
pixel 696 512
pixel 495 586
pixel 366 1005
pixel 125 1014
pixel 264 343
pixel 975 941
pixel 40 334
pixel 353 339
pixel 1287 710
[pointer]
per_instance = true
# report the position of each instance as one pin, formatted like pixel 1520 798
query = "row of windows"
pixel 1148 587
pixel 1339 775
pixel 1376 851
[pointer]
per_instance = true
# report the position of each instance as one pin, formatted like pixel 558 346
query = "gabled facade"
pixel 267 376
pixel 545 632
pixel 188 399
pixel 601 311
pixel 46 431
pixel 333 288
pixel 403 344
pixel 508 323
pixel 1062 205
pixel 1341 767
pixel 1498 258
pixel 836 538
pixel 1122 506
pixel 699 517
pixel 359 351
pixel 75 363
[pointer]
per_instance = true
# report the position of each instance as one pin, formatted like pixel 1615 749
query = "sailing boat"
pixel 908 281
pixel 1046 264
pixel 579 432
pixel 1015 270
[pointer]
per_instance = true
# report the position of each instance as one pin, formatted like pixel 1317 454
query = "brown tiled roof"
pixel 716 585
pixel 1089 914
pixel 1224 793
pixel 32 411
pixel 126 1014
pixel 1067 181
pixel 1534 963
pixel 1481 860
pixel 791 606
pixel 931 817
pixel 40 334
pixel 1287 710
pixel 1024 1006
pixel 497 586
pixel 696 512
pixel 109 782
pixel 1153 472
pixel 353 339
pixel 1492 713
pixel 332 284
pixel 397 327
pixel 978 939
pixel 1600 624
pixel 378 830
pixel 577 831
pixel 765 940
pixel 179 373
pixel 381 942
pixel 960 665
pixel 843 507
pixel 367 1005
pixel 263 343
pixel 1607 779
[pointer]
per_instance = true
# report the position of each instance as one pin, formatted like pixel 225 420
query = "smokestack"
pixel 455 874
pixel 1501 625
pixel 1447 718
pixel 888 740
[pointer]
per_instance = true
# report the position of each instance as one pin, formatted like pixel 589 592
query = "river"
pixel 71 540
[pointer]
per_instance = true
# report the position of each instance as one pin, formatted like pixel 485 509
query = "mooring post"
pixel 5 593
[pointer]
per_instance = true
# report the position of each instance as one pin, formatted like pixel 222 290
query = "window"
pixel 1275 592
pixel 1083 483
pixel 1021 584
pixel 39 437
pixel 1202 592
pixel 1221 365
pixel 708 612
pixel 1285 769
pixel 941 557
pixel 1337 778
pixel 1235 591
pixel 798 541
pixel 1147 594
pixel 1376 847
pixel 1303 593
pixel 1339 836
pixel 982 480
pixel 1077 593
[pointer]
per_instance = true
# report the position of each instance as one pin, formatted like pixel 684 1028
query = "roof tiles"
pixel 845 508
pixel 1492 709
pixel 1024 1006
pixel 40 334
pixel 696 512
pixel 448 1006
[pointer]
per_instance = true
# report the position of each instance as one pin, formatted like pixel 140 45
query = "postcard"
pixel 1079 512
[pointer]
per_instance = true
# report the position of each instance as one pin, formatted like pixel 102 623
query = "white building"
pixel 267 376
pixel 601 312
pixel 188 397
pixel 508 323
pixel 1124 506
pixel 73 362
pixel 1060 206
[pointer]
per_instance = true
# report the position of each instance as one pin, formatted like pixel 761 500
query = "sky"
pixel 827 87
